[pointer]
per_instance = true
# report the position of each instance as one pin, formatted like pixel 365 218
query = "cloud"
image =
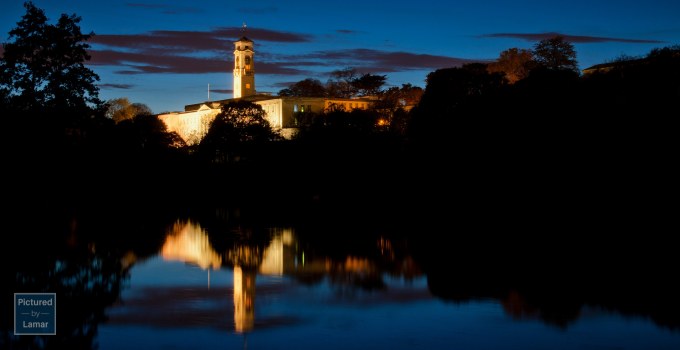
pixel 218 39
pixel 116 86
pixel 146 6
pixel 170 41
pixel 199 52
pixel 183 52
pixel 166 9
pixel 284 84
pixel 222 91
pixel 391 61
pixel 366 60
pixel 137 63
pixel 583 39
pixel 346 31
pixel 132 63
pixel 258 34
pixel 258 10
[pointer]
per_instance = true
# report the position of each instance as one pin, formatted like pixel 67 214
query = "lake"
pixel 219 278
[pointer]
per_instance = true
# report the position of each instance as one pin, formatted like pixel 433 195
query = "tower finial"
pixel 243 28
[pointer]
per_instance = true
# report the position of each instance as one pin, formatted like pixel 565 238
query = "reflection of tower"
pixel 244 67
pixel 244 299
pixel 248 261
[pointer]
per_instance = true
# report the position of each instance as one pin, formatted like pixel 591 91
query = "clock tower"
pixel 244 68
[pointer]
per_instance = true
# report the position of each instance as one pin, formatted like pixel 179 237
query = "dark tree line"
pixel 529 112
pixel 343 83
pixel 555 146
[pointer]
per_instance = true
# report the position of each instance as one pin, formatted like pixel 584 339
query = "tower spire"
pixel 244 66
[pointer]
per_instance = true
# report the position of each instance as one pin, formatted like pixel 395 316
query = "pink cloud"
pixel 196 52
pixel 570 38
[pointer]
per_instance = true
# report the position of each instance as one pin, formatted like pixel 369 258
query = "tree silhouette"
pixel 240 124
pixel 452 96
pixel 305 88
pixel 42 68
pixel 341 83
pixel 514 63
pixel 392 105
pixel 146 134
pixel 369 84
pixel 120 109
pixel 556 54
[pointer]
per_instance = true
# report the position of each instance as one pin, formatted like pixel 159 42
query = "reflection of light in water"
pixel 281 257
pixel 274 256
pixel 128 259
pixel 244 299
pixel 359 265
pixel 275 259
pixel 244 255
pixel 188 242
pixel 247 263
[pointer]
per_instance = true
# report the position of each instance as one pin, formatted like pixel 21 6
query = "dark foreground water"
pixel 212 280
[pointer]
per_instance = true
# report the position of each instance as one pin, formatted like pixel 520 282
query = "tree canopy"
pixel 340 84
pixel 515 63
pixel 344 83
pixel 240 123
pixel 42 68
pixel 120 109
pixel 305 88
pixel 146 133
pixel 556 54
pixel 369 84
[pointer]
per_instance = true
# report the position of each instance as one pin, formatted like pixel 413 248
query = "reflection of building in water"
pixel 282 256
pixel 279 256
pixel 248 261
pixel 275 259
pixel 244 299
pixel 188 242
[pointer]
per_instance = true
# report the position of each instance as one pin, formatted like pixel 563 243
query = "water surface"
pixel 194 284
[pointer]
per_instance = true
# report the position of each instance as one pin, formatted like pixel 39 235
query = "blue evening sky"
pixel 165 54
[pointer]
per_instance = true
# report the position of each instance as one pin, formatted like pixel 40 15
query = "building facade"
pixel 244 68
pixel 193 123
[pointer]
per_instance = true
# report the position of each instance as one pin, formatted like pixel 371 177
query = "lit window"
pixel 247 86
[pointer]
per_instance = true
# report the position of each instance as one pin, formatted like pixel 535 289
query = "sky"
pixel 168 54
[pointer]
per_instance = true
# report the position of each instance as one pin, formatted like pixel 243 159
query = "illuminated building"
pixel 244 68
pixel 192 123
